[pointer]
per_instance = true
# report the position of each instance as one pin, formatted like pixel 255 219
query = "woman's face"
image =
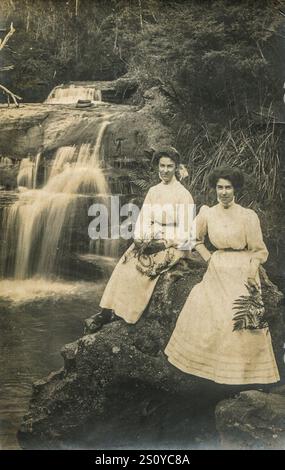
pixel 166 168
pixel 225 191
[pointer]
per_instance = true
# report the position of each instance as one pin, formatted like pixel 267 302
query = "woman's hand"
pixel 169 243
pixel 209 259
pixel 204 252
pixel 252 274
pixel 154 246
pixel 138 243
pixel 252 283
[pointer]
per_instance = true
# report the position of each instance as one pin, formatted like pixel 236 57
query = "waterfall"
pixel 6 161
pixel 73 93
pixel 38 226
pixel 28 172
pixel 64 156
pixel 25 175
pixel 36 169
pixel 107 248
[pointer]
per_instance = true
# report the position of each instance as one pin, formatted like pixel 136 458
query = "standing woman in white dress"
pixel 160 234
pixel 214 337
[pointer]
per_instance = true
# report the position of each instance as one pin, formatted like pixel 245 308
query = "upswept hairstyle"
pixel 234 175
pixel 169 152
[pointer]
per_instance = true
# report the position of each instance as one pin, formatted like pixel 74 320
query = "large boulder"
pixel 252 420
pixel 117 389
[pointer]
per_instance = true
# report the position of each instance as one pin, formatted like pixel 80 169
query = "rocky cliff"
pixel 131 134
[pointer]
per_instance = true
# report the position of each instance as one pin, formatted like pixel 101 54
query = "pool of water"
pixel 37 317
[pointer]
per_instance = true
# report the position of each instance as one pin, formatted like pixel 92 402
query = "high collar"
pixel 226 208
pixel 171 183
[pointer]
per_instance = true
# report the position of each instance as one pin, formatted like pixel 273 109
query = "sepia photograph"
pixel 142 226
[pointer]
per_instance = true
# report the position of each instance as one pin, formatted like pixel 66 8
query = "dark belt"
pixel 233 249
pixel 165 225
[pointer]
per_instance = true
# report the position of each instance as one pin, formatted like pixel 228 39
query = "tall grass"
pixel 253 148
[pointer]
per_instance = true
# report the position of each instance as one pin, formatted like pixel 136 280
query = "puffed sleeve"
pixel 184 222
pixel 200 227
pixel 143 227
pixel 254 237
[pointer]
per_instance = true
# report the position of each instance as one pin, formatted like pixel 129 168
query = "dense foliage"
pixel 208 54
pixel 219 63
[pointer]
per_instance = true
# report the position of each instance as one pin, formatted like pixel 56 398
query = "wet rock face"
pixel 252 420
pixel 118 390
pixel 46 127
pixel 21 130
pixel 8 175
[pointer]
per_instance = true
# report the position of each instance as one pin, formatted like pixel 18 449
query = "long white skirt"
pixel 203 342
pixel 128 291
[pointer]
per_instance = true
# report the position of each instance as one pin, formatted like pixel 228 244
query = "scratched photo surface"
pixel 142 224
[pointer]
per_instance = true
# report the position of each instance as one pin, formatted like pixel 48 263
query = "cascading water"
pixel 36 169
pixel 6 161
pixel 73 93
pixel 39 225
pixel 63 158
pixel 25 175
pixel 28 172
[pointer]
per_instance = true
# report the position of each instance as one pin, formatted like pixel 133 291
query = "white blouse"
pixel 234 227
pixel 167 213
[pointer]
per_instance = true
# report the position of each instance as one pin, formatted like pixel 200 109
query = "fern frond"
pixel 249 312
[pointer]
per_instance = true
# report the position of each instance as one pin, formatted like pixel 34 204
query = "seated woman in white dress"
pixel 160 240
pixel 221 333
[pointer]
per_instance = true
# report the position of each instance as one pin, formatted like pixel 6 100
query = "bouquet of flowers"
pixel 145 252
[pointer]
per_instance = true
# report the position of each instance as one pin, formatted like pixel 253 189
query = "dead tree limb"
pixel 7 37
pixel 76 7
pixel 141 14
pixel 10 93
pixel 6 67
pixel 9 67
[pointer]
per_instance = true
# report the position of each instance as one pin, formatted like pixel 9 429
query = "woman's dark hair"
pixel 169 152
pixel 234 175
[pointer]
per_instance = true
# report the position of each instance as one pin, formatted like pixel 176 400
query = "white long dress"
pixel 128 291
pixel 203 342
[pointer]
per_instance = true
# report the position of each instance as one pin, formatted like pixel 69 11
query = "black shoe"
pixel 114 317
pixel 105 315
pixel 96 322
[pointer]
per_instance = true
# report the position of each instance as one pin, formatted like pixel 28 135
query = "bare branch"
pixel 10 93
pixel 7 67
pixel 274 32
pixel 76 7
pixel 7 37
pixel 260 50
pixel 141 16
